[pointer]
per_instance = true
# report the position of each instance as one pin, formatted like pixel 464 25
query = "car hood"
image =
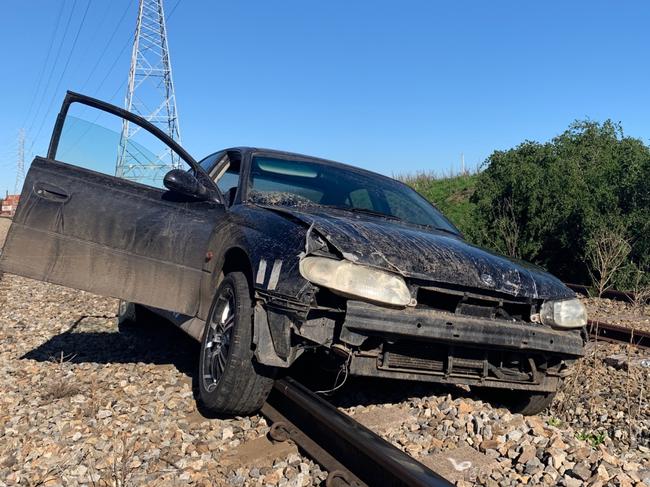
pixel 425 254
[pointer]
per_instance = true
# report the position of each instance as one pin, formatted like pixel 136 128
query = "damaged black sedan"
pixel 265 256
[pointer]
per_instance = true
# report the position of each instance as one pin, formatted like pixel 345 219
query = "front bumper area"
pixel 434 346
pixel 432 325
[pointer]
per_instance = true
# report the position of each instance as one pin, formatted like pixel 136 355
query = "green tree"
pixel 548 200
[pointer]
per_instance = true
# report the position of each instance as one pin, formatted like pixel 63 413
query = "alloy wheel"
pixel 217 343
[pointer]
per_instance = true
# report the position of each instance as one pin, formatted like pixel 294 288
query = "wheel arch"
pixel 237 259
pixel 234 258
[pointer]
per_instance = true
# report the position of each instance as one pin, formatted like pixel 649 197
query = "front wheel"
pixel 231 381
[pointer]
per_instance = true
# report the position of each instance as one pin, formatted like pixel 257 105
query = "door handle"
pixel 51 192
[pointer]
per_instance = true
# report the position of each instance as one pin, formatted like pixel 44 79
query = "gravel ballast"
pixel 85 403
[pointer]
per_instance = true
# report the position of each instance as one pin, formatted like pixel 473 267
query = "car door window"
pixel 105 143
pixel 74 224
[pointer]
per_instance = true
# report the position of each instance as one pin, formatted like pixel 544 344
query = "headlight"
pixel 356 280
pixel 566 313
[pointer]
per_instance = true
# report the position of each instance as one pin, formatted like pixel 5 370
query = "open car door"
pixel 109 235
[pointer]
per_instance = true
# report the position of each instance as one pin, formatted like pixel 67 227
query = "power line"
pixel 106 46
pixel 171 12
pixel 51 73
pixel 65 67
pixel 91 43
pixel 47 60
pixel 20 162
pixel 111 68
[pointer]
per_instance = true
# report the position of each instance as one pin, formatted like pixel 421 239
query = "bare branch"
pixel 606 253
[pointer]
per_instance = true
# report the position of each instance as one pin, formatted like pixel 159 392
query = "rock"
pixel 556 457
pixel 608 457
pixel 515 435
pixel 528 452
pixel 464 408
pixel 581 470
pixel 557 442
pixel 489 445
pixel 533 466
pixel 621 361
pixel 602 474
pixel 104 413
pixel 227 433
pixel 79 471
pixel 435 444
pixel 133 395
pixel 572 481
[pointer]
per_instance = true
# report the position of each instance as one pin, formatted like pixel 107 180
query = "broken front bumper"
pixel 435 346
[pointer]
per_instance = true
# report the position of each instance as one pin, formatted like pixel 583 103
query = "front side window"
pixel 277 181
pixel 108 144
pixel 209 162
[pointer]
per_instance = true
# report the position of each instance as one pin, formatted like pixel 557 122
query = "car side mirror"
pixel 185 183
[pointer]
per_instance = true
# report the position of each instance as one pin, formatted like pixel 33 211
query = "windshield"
pixel 276 181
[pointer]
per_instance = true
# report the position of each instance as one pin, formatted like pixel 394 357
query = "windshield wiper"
pixel 365 211
pixel 440 229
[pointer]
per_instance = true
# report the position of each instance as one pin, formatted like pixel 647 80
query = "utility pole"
pixel 20 162
pixel 150 94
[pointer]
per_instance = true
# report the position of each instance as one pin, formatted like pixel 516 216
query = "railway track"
pixel 609 294
pixel 618 334
pixel 353 455
pixel 603 331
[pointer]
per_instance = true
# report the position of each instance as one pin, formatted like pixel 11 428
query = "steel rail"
pixel 609 294
pixel 618 334
pixel 351 453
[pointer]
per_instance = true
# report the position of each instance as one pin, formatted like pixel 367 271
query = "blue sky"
pixel 391 86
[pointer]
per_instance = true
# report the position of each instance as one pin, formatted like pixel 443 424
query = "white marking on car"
pixel 275 275
pixel 261 272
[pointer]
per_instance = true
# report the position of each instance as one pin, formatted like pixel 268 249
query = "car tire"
pixel 130 314
pixel 231 381
pixel 522 402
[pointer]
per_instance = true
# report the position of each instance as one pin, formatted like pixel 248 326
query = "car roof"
pixel 326 162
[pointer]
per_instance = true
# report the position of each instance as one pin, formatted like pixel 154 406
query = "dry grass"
pixel 124 469
pixel 55 473
pixel 59 385
pixel 589 385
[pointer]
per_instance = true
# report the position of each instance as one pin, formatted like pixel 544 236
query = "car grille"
pixel 475 303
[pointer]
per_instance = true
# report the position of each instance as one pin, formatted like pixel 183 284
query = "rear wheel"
pixel 132 314
pixel 230 379
pixel 523 402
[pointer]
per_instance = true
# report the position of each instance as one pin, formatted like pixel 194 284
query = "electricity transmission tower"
pixel 20 162
pixel 150 94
